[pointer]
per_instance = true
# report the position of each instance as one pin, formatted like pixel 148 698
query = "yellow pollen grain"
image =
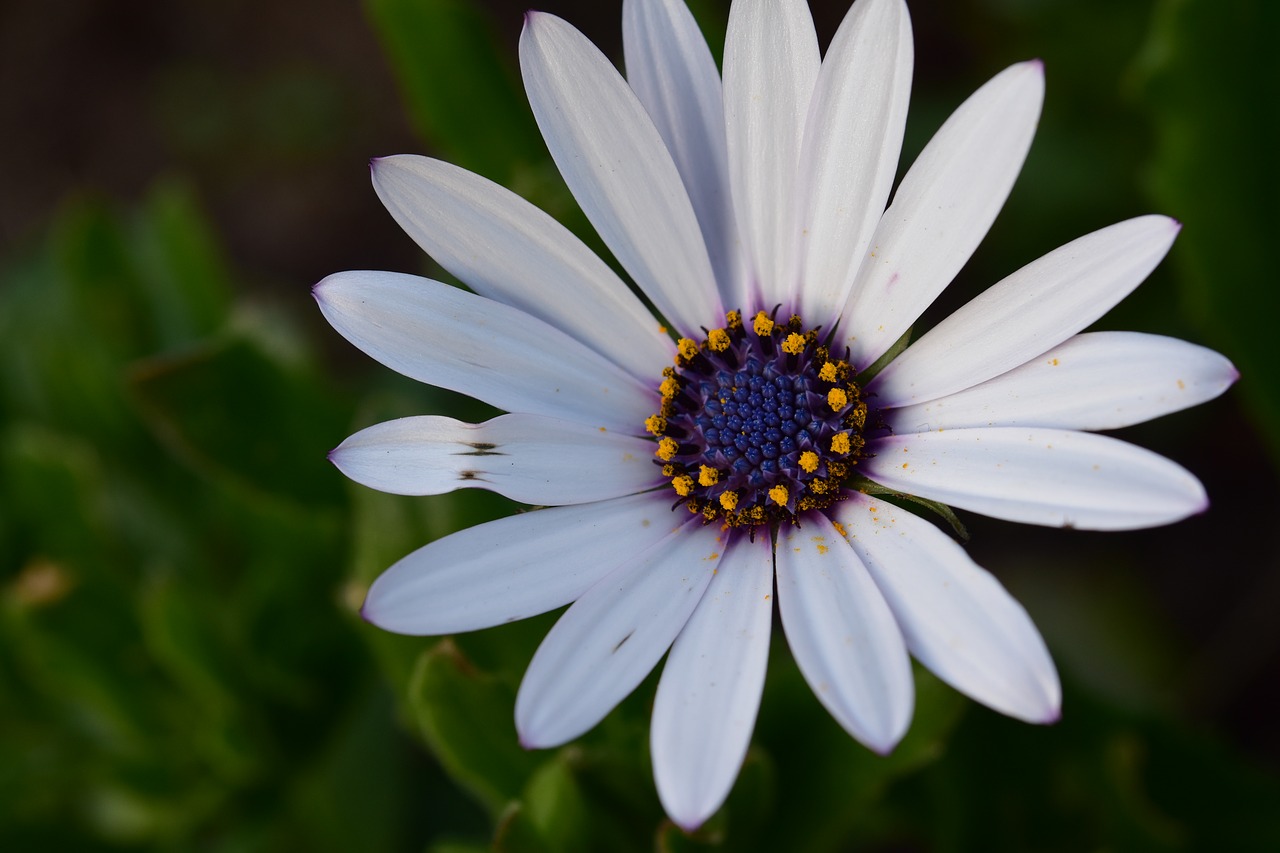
pixel 779 495
pixel 840 529
pixel 837 399
pixel 729 500
pixel 762 324
pixel 718 340
pixel 840 443
pixel 686 348
pixel 828 372
pixel 809 461
pixel 708 476
pixel 656 424
pixel 794 344
pixel 667 449
pixel 683 485
pixel 669 388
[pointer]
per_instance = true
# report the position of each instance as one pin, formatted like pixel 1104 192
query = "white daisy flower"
pixel 688 471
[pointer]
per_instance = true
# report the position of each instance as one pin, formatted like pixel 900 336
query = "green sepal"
pixel 868 487
pixel 889 355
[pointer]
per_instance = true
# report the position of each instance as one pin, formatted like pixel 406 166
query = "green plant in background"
pixel 181 666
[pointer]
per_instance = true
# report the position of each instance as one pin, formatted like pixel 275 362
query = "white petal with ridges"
pixel 942 210
pixel 673 73
pixel 1094 381
pixel 445 336
pixel 705 709
pixel 528 458
pixel 1038 476
pixel 957 619
pixel 851 147
pixel 619 169
pixel 506 249
pixel 771 63
pixel 1026 314
pixel 842 634
pixel 610 639
pixel 514 567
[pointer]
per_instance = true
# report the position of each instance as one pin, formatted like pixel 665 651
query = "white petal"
pixel 444 336
pixel 1028 313
pixel 770 66
pixel 1094 381
pixel 710 690
pixel 1039 476
pixel 514 567
pixel 957 619
pixel 851 147
pixel 528 458
pixel 619 170
pixel 506 249
pixel 942 209
pixel 842 634
pixel 609 640
pixel 673 73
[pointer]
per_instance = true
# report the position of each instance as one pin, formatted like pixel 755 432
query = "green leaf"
pixel 833 786
pixel 554 802
pixel 1212 91
pixel 460 90
pixel 181 270
pixel 465 717
pixel 517 833
pixel 233 410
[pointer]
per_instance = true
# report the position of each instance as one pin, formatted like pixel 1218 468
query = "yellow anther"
pixel 837 399
pixel 686 349
pixel 733 320
pixel 794 344
pixel 718 340
pixel 656 424
pixel 668 471
pixel 779 495
pixel 683 485
pixel 762 324
pixel 708 476
pixel 858 416
pixel 669 388
pixel 729 500
pixel 840 443
pixel 828 372
pixel 809 461
pixel 667 449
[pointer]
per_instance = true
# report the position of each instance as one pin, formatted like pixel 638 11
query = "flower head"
pixel 687 472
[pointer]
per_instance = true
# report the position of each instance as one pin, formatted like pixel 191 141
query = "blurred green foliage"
pixel 182 666
pixel 1213 90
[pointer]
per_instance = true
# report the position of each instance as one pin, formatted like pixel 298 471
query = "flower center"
pixel 758 424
